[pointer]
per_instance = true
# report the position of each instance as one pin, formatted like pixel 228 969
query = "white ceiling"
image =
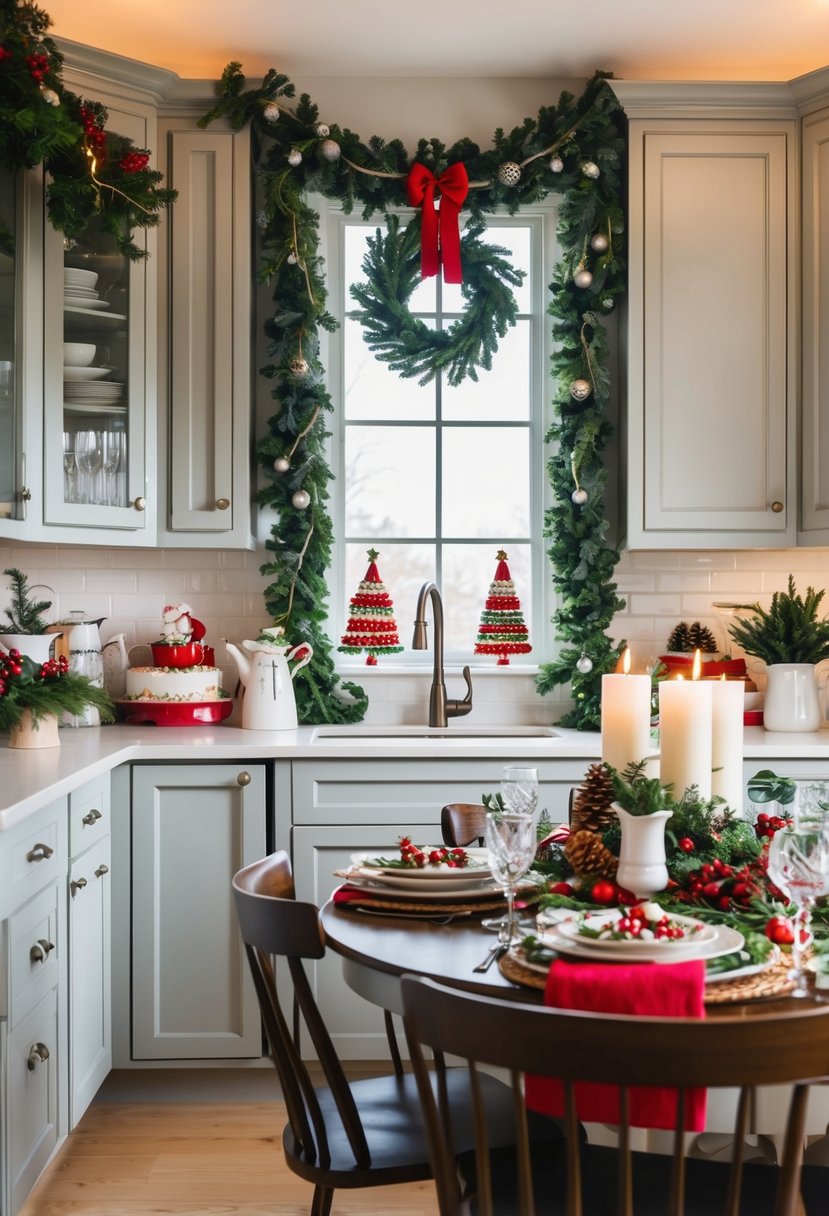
pixel 559 39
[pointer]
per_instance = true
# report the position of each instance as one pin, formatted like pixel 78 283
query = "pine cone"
pixel 680 640
pixel 589 857
pixel 592 801
pixel 701 638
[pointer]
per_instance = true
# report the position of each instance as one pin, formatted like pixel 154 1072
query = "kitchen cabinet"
pixel 193 827
pixel 815 313
pixel 89 920
pixel 205 336
pixel 32 999
pixel 344 806
pixel 712 350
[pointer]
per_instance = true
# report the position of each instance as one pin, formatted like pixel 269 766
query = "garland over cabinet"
pixel 712 350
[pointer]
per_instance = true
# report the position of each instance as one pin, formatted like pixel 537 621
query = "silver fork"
pixel 494 953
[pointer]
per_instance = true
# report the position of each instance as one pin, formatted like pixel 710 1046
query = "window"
pixel 439 478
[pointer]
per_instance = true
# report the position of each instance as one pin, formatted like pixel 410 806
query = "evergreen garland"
pixel 295 154
pixel 92 172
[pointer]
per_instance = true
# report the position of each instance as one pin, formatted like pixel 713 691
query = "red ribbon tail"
pixel 429 257
pixel 450 240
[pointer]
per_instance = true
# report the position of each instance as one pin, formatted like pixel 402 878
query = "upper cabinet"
pixel 712 342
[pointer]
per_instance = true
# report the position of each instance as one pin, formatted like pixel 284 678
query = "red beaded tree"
pixel 371 624
pixel 502 630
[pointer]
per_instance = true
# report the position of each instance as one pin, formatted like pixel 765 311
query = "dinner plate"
pixel 82 303
pixel 404 882
pixel 697 931
pixel 85 373
pixel 724 941
pixel 737 973
pixel 485 890
pixel 478 858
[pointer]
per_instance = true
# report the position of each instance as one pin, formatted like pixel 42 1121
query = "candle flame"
pixel 697 665
pixel 722 677
pixel 626 661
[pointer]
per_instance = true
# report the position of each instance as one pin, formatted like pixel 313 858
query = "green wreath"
pixel 409 346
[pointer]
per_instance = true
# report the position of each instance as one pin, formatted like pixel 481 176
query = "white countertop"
pixel 32 779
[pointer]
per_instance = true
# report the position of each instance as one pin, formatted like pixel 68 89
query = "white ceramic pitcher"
pixel 269 702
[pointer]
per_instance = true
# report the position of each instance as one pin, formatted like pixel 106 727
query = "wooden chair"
pixel 765 1049
pixel 366 1133
pixel 462 824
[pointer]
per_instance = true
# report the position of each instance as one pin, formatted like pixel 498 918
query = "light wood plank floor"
pixel 193 1159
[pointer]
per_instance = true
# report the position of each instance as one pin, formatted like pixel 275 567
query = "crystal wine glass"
pixel 519 789
pixel 69 489
pixel 88 457
pixel 111 460
pixel 799 864
pixel 511 844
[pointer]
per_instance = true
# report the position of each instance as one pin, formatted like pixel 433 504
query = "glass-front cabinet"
pixel 9 397
pixel 95 374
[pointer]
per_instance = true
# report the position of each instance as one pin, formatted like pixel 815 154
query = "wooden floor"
pixel 193 1159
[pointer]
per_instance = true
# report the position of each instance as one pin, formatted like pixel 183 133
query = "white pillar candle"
pixel 685 738
pixel 626 718
pixel 728 698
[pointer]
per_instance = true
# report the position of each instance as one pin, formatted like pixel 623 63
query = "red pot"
pixel 186 654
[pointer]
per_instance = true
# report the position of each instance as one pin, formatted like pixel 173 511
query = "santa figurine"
pixel 176 625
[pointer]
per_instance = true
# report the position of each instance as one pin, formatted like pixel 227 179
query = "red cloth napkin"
pixel 346 893
pixel 651 989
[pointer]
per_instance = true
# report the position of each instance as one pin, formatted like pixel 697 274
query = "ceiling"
pixel 559 39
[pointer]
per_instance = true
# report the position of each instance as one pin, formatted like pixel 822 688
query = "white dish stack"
pixel 84 385
pixel 79 290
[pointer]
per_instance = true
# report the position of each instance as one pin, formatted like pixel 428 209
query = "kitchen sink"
pixel 435 732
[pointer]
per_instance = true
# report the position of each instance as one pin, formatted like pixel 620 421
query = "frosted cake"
pixel 174 684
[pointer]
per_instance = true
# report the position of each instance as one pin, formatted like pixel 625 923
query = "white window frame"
pixel 542 219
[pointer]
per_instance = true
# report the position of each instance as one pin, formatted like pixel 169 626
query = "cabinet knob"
pixel 38 1054
pixel 101 871
pixel 41 950
pixel 777 507
pixel 39 852
pixel 222 504
pixel 140 504
pixel 76 885
pixel 243 778
pixel 25 494
pixel 92 817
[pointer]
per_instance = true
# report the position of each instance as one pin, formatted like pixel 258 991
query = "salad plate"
pixel 723 940
pixel 598 931
pixel 378 863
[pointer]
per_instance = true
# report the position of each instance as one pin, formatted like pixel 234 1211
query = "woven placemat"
pixel 492 903
pixel 773 982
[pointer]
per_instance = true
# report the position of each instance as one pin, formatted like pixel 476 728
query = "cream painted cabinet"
pixel 193 826
pixel 208 373
pixel 815 353
pixel 712 340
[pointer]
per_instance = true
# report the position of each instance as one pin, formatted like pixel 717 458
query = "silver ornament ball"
pixel 582 278
pixel 590 169
pixel 556 164
pixel 509 174
pixel 330 149
pixel 292 259
pixel 607 303
pixel 271 112
pixel 282 464
pixel 599 243
pixel 301 499
pixel 294 157
pixel 580 496
pixel 321 129
pixel 299 367
pixel 580 390
pixel 584 664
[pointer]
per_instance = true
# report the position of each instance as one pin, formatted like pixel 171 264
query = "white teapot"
pixel 268 702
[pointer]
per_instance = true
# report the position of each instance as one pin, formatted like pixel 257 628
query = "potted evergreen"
pixel 33 696
pixel 791 639
pixel 25 628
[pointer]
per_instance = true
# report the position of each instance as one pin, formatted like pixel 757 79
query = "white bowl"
pixel 80 278
pixel 85 373
pixel 78 354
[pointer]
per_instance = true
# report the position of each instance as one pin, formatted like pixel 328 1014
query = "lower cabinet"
pixel 31 1115
pixel 90 1000
pixel 193 826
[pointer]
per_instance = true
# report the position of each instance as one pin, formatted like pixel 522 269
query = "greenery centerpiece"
pixel 40 689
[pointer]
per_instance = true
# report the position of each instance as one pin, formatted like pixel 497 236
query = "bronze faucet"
pixel 440 708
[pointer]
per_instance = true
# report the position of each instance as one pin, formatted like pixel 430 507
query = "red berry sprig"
pixel 134 161
pixel 38 65
pixel 767 825
pixel 412 855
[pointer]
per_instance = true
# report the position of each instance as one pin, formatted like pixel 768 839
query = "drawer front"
pixel 34 952
pixel 32 855
pixel 32 1097
pixel 89 814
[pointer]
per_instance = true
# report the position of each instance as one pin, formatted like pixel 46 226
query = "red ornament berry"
pixel 561 888
pixel 780 931
pixel 603 892
pixel 686 844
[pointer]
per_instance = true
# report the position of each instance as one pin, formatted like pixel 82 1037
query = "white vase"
pixel 792 702
pixel 642 868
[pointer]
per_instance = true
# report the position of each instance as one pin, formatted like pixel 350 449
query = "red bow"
pixel 420 189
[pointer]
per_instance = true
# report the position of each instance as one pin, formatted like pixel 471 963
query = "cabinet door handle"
pixel 777 507
pixel 222 504
pixel 39 852
pixel 101 871
pixel 92 817
pixel 41 950
pixel 76 885
pixel 243 778
pixel 25 494
pixel 140 504
pixel 38 1054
